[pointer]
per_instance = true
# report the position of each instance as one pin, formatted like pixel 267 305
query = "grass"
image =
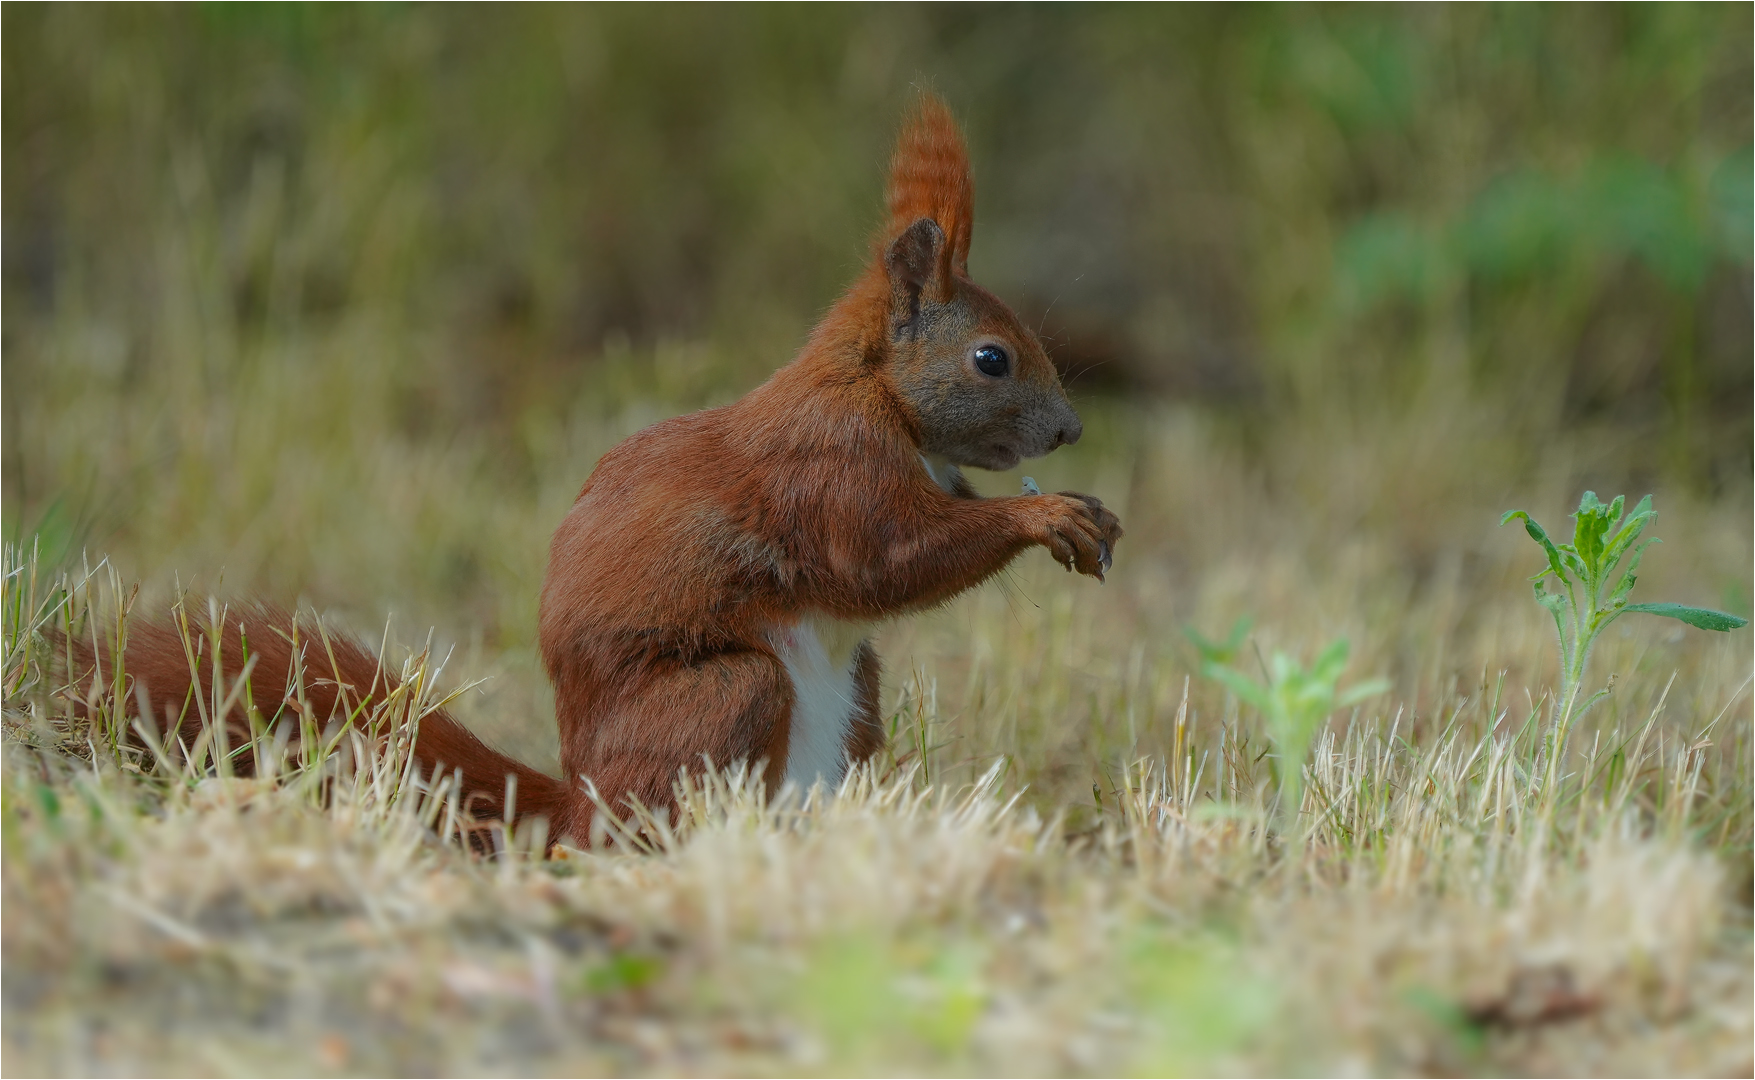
pixel 1070 862
pixel 339 306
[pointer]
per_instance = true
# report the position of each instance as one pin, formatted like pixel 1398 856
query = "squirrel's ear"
pixel 913 265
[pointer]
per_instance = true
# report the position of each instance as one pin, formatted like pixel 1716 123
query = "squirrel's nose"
pixel 1069 433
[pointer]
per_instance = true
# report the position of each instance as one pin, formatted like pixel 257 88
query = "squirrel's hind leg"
pixel 729 706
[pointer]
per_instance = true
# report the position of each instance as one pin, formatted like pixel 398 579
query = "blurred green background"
pixel 343 302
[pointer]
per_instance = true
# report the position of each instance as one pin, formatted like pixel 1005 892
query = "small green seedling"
pixel 1295 702
pixel 1588 604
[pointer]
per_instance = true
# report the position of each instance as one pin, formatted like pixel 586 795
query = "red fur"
pixel 929 178
pixel 341 678
pixel 699 542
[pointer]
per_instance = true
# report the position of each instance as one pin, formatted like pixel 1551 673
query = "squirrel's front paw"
pixel 1080 532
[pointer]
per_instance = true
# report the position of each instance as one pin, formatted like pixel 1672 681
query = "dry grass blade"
pixel 1438 909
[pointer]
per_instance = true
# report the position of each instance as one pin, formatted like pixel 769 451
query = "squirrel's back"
pixel 711 593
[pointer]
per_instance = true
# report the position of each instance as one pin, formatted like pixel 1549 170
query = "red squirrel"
pixel 712 592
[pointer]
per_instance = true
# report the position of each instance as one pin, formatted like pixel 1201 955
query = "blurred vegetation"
pixel 1295 209
pixel 344 301
pixel 340 304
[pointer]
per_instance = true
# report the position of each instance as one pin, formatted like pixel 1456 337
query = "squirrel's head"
pixel 982 389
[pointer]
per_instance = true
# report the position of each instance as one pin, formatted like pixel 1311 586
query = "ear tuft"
pixel 929 178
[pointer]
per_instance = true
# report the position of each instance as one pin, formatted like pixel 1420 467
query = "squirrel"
pixel 712 593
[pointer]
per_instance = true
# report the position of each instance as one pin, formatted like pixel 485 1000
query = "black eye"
pixel 992 360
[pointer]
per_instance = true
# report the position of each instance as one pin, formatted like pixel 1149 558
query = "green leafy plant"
pixel 1583 602
pixel 1294 701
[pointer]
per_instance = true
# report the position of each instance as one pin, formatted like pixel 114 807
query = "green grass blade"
pixel 1704 618
pixel 1629 532
pixel 1243 686
pixel 1625 585
pixel 1540 536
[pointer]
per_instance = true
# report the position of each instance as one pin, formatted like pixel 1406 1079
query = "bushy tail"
pixel 341 681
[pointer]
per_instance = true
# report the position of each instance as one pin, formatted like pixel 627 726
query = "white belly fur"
pixel 943 473
pixel 819 655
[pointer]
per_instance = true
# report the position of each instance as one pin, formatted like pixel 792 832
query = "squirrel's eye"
pixel 992 360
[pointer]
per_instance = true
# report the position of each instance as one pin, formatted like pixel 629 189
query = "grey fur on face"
pixel 965 416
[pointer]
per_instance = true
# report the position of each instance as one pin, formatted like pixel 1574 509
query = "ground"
pixel 1069 862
